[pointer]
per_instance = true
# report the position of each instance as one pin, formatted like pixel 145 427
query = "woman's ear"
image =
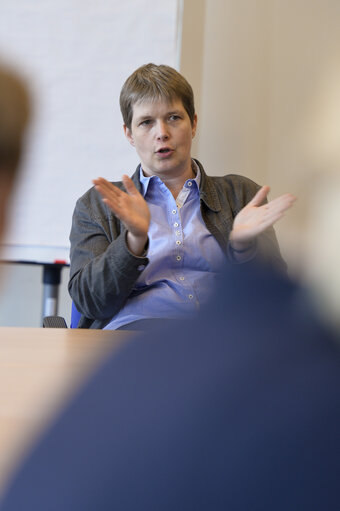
pixel 128 134
pixel 194 126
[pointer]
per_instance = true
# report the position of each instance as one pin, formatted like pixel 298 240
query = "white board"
pixel 76 55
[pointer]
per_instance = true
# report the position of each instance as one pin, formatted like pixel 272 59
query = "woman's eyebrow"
pixel 143 117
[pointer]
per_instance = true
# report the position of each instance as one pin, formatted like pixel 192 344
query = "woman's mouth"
pixel 164 152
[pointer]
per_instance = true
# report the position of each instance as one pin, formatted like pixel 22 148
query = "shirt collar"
pixel 145 180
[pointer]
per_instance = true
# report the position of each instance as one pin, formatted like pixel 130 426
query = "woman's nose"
pixel 162 131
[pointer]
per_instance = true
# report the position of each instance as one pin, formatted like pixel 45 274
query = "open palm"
pixel 130 206
pixel 256 217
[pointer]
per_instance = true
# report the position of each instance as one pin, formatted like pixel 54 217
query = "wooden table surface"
pixel 39 369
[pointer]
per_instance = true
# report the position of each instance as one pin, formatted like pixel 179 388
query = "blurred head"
pixel 14 115
pixel 154 83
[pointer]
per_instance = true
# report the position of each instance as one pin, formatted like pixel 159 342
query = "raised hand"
pixel 130 207
pixel 255 218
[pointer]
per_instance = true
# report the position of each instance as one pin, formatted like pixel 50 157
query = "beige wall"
pixel 232 83
pixel 267 77
pixel 304 136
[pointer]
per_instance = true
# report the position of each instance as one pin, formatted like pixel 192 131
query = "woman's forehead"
pixel 156 106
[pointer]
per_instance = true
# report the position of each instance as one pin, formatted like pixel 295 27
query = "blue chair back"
pixel 75 316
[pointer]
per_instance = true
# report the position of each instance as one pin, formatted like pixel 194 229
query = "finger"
pixel 103 184
pixel 129 185
pixel 271 220
pixel 260 196
pixel 273 214
pixel 287 197
pixel 107 194
pixel 281 203
pixel 100 181
pixel 117 209
pixel 106 189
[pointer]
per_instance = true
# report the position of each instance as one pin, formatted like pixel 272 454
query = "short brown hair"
pixel 152 82
pixel 14 116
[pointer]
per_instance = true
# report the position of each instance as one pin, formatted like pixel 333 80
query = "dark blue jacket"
pixel 237 410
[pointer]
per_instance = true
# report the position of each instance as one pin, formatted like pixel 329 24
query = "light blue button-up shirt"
pixel 184 257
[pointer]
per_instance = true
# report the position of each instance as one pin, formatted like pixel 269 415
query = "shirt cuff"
pixel 145 252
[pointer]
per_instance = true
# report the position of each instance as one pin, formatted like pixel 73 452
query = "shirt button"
pixel 190 297
pixel 178 242
pixel 175 224
pixel 181 278
pixel 178 233
pixel 141 267
pixel 174 212
pixel 189 183
pixel 178 258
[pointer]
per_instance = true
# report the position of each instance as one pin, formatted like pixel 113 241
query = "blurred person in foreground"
pixel 237 411
pixel 14 116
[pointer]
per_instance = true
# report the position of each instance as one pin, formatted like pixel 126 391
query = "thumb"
pixel 129 185
pixel 259 197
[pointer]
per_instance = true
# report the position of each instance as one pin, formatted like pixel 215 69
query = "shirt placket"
pixel 179 241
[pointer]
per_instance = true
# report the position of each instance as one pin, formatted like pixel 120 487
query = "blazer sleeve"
pixel 103 271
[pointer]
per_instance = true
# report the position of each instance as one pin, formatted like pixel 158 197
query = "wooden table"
pixel 39 369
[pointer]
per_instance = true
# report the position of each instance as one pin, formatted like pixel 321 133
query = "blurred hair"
pixel 151 83
pixel 14 116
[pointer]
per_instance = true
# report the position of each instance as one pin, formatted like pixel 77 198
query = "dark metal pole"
pixel 51 281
